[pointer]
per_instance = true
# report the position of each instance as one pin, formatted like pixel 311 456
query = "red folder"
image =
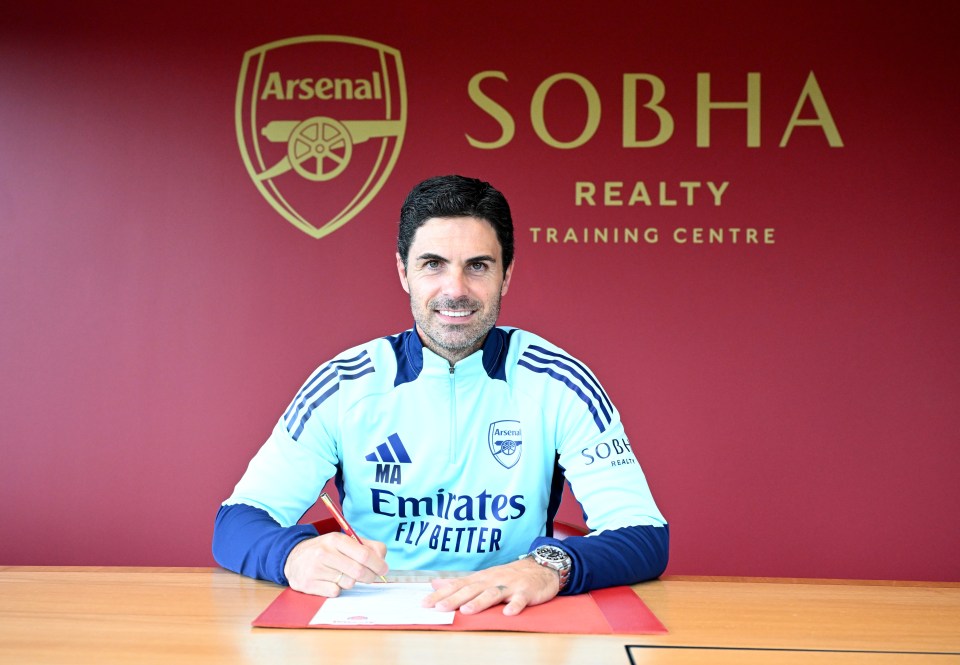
pixel 602 612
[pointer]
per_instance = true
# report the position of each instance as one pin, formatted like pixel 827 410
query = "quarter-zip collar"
pixel 413 357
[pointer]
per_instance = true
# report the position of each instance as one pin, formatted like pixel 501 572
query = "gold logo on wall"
pixel 320 120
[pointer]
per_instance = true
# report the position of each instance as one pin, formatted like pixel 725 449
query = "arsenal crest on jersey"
pixel 506 442
pixel 320 120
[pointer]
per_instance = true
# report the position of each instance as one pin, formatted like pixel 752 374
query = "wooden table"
pixel 203 615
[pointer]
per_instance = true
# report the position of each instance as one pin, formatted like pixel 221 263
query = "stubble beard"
pixel 451 341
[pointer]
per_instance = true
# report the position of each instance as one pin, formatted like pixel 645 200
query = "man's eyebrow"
pixel 485 258
pixel 427 256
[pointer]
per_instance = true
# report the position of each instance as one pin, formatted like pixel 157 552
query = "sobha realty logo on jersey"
pixel 320 120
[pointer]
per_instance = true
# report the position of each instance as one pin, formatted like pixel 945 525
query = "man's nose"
pixel 455 284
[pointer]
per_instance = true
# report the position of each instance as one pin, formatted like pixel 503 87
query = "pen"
pixel 342 521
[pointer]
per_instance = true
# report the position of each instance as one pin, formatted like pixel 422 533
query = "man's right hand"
pixel 327 564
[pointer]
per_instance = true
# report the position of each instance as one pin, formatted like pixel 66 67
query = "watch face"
pixel 552 554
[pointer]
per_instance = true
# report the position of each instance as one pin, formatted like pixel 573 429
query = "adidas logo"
pixel 390 451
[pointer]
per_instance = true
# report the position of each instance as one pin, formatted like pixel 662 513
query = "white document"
pixel 391 604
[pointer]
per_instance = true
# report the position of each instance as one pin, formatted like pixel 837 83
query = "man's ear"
pixel 506 278
pixel 402 271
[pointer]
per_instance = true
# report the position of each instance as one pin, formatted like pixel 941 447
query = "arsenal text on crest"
pixel 277 87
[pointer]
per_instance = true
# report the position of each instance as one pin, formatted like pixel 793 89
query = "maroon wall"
pixel 794 402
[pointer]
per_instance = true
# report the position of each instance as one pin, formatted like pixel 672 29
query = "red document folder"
pixel 602 612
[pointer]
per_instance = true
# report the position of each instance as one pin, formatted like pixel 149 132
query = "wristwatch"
pixel 555 558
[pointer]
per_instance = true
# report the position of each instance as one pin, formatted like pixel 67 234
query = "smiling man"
pixel 449 443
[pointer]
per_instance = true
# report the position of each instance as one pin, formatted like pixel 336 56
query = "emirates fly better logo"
pixel 320 121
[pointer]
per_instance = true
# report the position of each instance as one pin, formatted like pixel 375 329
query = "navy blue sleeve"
pixel 248 541
pixel 615 557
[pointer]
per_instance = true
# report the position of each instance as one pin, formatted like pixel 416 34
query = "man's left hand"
pixel 518 584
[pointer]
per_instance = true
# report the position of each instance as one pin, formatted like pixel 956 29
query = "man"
pixel 449 443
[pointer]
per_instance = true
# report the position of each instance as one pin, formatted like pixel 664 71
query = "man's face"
pixel 455 279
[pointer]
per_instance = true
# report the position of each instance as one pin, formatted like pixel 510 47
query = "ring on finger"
pixel 339 577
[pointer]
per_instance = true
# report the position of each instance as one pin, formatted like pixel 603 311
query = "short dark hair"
pixel 455 196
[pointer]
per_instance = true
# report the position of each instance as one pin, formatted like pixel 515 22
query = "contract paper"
pixel 393 604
